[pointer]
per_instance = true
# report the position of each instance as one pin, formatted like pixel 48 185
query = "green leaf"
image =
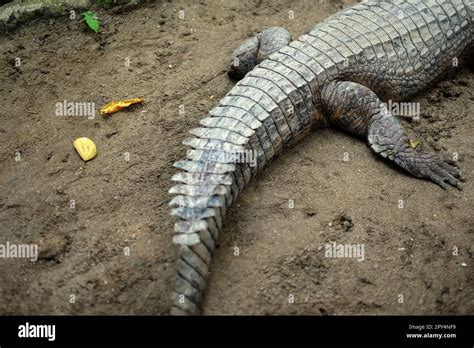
pixel 91 20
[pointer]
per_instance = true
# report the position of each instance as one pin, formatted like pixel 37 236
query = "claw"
pixel 452 180
pixel 429 166
pixel 451 169
pixel 437 179
pixel 442 172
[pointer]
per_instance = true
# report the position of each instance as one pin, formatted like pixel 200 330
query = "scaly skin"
pixel 339 74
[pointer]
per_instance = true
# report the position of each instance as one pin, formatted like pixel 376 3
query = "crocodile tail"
pixel 240 137
pixel 207 186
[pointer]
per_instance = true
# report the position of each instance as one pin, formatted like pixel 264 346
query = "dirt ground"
pixel 179 64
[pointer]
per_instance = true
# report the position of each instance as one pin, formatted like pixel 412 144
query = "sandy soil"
pixel 281 267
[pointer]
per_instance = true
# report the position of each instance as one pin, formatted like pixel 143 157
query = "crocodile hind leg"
pixel 357 109
pixel 256 49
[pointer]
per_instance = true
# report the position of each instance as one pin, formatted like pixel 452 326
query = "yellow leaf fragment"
pixel 414 143
pixel 115 106
pixel 86 148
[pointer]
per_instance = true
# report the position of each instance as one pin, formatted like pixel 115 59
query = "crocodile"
pixel 341 73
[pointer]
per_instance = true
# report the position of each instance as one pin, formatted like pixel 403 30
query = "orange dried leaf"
pixel 115 106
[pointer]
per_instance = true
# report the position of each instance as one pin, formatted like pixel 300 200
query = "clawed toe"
pixel 451 169
pixel 442 173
